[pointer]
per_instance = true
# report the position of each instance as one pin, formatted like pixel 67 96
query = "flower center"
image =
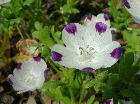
pixel 87 53
pixel 30 81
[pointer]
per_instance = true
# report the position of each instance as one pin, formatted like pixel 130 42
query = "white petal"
pixel 69 55
pixel 100 61
pixel 100 18
pixel 101 40
pixel 70 40
pixel 16 84
pixel 63 50
pixel 105 60
pixel 88 22
pixel 110 47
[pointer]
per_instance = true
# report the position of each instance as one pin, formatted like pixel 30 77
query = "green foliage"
pixel 43 34
pixel 121 16
pixel 122 19
pixel 121 83
pixel 133 39
pixel 72 88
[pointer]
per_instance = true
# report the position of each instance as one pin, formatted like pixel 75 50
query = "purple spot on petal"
pixel 89 17
pixel 113 31
pixel 106 17
pixel 38 59
pixel 19 66
pixel 100 27
pixel 117 53
pixel 109 101
pixel 56 56
pixel 88 69
pixel 10 81
pixel 71 28
pixel 126 4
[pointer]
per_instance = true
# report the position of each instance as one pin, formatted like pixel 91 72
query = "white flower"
pixel 133 7
pixel 4 1
pixel 29 75
pixel 88 46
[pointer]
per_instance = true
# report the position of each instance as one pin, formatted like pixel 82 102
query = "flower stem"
pixel 19 31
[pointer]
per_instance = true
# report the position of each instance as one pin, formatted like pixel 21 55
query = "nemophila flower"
pixel 133 7
pixel 88 46
pixel 4 1
pixel 28 75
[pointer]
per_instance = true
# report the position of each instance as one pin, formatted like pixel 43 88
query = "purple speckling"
pixel 126 4
pixel 113 31
pixel 89 17
pixel 56 56
pixel 19 66
pixel 106 17
pixel 100 27
pixel 71 28
pixel 38 59
pixel 117 53
pixel 10 81
pixel 88 69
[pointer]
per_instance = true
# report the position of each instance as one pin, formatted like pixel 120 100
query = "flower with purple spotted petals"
pixel 106 17
pixel 71 28
pixel 89 48
pixel 89 17
pixel 126 4
pixel 133 7
pixel 101 27
pixel 30 77
pixel 88 69
pixel 117 53
pixel 56 56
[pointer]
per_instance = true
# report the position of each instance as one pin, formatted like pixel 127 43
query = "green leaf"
pixel 38 26
pixel 127 59
pixel 43 35
pixel 28 2
pixel 91 100
pixel 127 70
